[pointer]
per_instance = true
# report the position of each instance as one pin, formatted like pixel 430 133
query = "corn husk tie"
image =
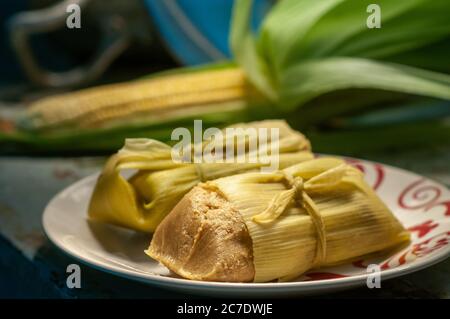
pixel 298 191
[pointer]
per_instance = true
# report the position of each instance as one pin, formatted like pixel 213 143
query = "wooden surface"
pixel 30 266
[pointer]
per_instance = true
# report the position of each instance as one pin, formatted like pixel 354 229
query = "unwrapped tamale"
pixel 143 200
pixel 259 227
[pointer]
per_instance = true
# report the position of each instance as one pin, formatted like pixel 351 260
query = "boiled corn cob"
pixel 146 100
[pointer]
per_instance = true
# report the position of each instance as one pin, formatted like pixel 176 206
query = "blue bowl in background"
pixel 196 31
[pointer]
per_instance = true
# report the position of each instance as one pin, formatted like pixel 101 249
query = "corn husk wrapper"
pixel 143 200
pixel 313 214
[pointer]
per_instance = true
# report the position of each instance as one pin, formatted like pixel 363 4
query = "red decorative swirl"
pixel 421 194
pixel 379 170
pixel 380 176
pixel 356 164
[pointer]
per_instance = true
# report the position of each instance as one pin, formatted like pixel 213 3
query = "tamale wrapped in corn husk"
pixel 259 227
pixel 143 200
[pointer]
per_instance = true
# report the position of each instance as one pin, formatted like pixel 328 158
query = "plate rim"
pixel 174 282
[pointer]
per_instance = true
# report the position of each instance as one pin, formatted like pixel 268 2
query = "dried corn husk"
pixel 143 200
pixel 313 214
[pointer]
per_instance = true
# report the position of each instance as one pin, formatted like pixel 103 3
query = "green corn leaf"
pixel 242 43
pixel 307 48
pixel 308 80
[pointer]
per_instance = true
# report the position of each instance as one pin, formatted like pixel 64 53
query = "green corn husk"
pixel 313 214
pixel 142 201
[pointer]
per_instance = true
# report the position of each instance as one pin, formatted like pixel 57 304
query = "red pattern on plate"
pixel 419 195
pixel 430 245
pixel 424 228
pixel 425 195
pixel 418 250
pixel 379 171
pixel 360 264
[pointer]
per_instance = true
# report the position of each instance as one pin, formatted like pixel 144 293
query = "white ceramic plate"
pixel 422 205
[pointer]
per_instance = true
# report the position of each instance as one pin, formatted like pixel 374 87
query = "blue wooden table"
pixel 30 266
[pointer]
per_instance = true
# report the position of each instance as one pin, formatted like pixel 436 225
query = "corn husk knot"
pixel 297 192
